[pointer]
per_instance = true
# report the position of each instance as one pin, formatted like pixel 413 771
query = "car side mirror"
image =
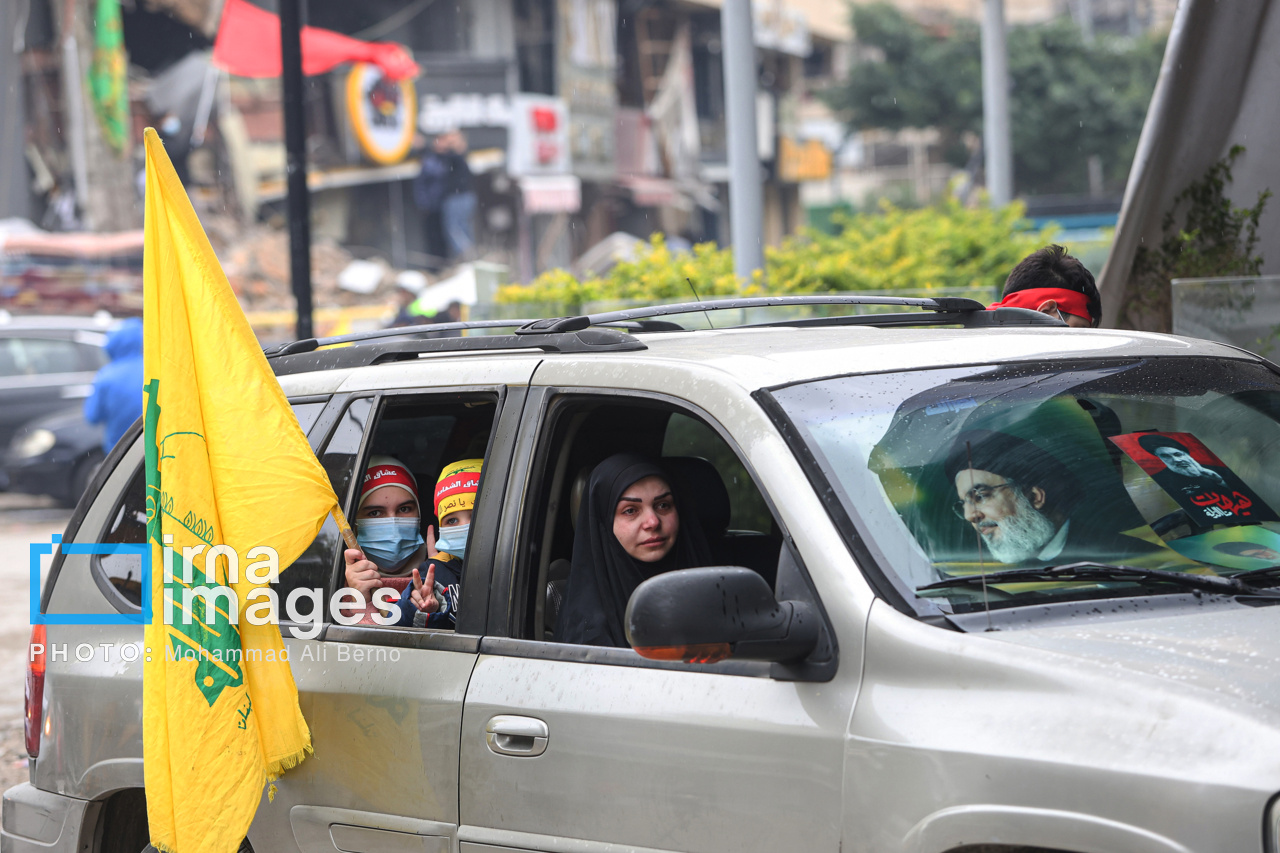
pixel 709 614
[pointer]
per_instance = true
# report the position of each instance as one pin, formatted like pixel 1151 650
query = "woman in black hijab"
pixel 629 530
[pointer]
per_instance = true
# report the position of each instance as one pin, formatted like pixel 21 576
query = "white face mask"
pixel 388 541
pixel 453 540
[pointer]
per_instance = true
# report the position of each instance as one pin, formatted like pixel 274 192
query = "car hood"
pixel 1229 654
pixel 1190 696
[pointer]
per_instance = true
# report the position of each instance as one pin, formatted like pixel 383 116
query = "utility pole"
pixel 1084 14
pixel 103 175
pixel 997 143
pixel 298 203
pixel 746 190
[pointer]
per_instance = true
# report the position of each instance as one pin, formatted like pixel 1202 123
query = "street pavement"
pixel 23 519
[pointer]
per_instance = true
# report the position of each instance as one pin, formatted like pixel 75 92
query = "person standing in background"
pixel 428 197
pixel 458 209
pixel 116 399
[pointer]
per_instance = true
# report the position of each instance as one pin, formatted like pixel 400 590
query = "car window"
pixel 92 356
pixel 688 436
pixel 960 473
pixel 128 525
pixel 48 355
pixel 314 568
pixel 10 357
pixel 419 442
pixel 712 486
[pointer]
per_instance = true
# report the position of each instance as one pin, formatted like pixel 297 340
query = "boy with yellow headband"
pixel 432 601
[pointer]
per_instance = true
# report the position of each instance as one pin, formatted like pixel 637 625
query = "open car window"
pixel 1164 464
pixel 719 494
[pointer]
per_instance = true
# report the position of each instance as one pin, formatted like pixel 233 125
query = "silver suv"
pixel 984 584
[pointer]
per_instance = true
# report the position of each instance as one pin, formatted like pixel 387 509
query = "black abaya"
pixel 602 574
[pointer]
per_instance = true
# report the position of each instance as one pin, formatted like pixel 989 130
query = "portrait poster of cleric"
pixel 1242 548
pixel 1195 478
pixel 1027 506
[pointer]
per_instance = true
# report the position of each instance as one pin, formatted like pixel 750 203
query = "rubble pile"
pixel 80 273
pixel 257 266
pixel 71 273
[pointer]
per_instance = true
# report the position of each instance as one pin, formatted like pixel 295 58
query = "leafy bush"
pixel 944 247
pixel 1215 239
pixel 658 274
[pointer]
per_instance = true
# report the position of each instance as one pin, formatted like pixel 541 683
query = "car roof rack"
pixel 945 310
pixel 610 331
pixel 309 344
pixel 306 355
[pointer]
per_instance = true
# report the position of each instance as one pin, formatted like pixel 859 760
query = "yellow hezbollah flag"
pixel 227 464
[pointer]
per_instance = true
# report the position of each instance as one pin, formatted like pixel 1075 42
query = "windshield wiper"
pixel 1260 574
pixel 1090 571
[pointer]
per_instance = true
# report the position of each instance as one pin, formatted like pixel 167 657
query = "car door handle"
pixel 508 734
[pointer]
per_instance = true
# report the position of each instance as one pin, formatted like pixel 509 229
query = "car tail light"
pixel 35 690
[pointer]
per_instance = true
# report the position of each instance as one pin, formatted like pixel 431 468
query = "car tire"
pixel 122 826
pixel 81 476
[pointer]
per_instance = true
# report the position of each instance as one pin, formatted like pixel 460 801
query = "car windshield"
pixel 1159 464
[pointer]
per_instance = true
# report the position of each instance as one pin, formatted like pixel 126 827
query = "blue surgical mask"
pixel 388 541
pixel 453 540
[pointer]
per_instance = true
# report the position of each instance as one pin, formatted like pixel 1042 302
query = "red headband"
pixel 377 476
pixel 462 482
pixel 1069 301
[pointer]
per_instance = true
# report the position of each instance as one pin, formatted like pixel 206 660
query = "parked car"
pixel 55 455
pixel 964 601
pixel 46 362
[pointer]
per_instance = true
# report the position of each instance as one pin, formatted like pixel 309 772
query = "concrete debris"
pixel 257 265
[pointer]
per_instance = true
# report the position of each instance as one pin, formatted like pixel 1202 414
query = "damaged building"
pixel 582 118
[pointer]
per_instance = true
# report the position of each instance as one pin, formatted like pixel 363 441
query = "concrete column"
pixel 15 199
pixel 746 190
pixel 997 142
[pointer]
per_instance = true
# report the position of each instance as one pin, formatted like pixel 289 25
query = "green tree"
pixel 913 77
pixel 1069 100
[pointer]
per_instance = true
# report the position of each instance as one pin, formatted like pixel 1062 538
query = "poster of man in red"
pixel 1198 480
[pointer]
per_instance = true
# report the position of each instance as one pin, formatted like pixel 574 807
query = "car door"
pixel 385 704
pixel 603 747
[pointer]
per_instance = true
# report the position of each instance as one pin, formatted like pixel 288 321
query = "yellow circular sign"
pixel 383 113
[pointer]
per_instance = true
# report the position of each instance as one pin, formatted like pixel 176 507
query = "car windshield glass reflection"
pixel 1160 464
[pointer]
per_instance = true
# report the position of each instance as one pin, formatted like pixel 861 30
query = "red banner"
pixel 248 45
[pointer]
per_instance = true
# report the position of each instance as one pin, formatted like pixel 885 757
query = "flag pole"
pixel 344 527
pixel 298 204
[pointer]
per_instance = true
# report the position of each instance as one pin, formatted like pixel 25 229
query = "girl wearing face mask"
pixel 391 544
pixel 387 529
pixel 431 600
pixel 387 525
